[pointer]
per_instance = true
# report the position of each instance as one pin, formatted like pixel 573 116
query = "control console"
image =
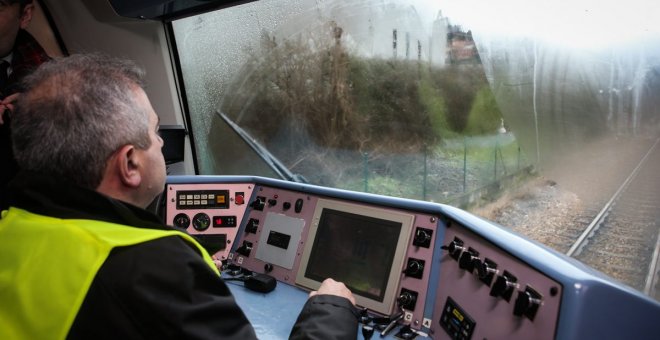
pixel 427 270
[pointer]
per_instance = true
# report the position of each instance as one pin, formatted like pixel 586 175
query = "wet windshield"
pixel 533 116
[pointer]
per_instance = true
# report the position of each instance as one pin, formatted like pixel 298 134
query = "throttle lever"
pixel 392 323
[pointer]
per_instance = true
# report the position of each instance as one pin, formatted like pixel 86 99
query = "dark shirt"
pixel 161 289
pixel 27 56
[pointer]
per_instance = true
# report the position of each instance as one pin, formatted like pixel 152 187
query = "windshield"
pixel 531 115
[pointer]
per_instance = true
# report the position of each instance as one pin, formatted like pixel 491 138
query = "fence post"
pixel 365 157
pixel 425 173
pixel 495 159
pixel 464 165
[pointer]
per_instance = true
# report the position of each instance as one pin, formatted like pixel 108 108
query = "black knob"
pixel 259 203
pixel 414 268
pixel 478 265
pixel 245 249
pixel 272 202
pixel 499 286
pixel 503 287
pixel 268 267
pixel 407 299
pixel 422 237
pixel 482 268
pixel 467 261
pixel 527 303
pixel 298 205
pixel 486 270
pixel 286 205
pixel 252 226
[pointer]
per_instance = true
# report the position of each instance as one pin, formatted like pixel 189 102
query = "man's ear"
pixel 26 15
pixel 128 166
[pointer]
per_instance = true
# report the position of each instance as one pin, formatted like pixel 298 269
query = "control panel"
pixel 492 294
pixel 211 212
pixel 277 229
pixel 418 269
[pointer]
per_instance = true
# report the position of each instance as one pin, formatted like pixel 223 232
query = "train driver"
pixel 80 257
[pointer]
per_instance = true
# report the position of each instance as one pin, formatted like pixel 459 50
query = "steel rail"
pixel 651 277
pixel 603 212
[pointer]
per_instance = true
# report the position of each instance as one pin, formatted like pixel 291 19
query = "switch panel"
pixel 488 293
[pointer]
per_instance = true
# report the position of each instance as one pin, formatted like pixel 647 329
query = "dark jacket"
pixel 161 289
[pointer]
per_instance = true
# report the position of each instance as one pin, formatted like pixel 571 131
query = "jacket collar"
pixel 56 197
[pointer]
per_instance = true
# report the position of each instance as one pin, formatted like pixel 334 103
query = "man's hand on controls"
pixel 332 287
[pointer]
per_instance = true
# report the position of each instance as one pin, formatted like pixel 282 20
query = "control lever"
pixel 234 269
pixel 504 286
pixel 364 316
pixel 486 270
pixel 527 303
pixel 367 332
pixel 454 248
pixel 395 319
pixel 406 333
pixel 245 249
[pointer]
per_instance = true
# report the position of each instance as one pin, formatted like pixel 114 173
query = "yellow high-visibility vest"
pixel 47 265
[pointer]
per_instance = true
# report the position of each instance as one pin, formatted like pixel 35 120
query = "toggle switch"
pixel 259 203
pixel 454 248
pixel 486 270
pixel 467 259
pixel 252 226
pixel 504 286
pixel 527 303
pixel 245 249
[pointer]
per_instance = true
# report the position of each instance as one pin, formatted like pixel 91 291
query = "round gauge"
pixel 201 221
pixel 181 221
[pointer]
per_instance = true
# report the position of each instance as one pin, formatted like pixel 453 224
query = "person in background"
pixel 80 257
pixel 20 54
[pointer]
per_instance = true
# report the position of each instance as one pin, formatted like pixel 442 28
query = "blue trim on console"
pixel 434 275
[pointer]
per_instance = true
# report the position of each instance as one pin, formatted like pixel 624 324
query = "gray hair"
pixel 76 112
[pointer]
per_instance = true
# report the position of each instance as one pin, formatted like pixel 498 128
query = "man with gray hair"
pixel 80 257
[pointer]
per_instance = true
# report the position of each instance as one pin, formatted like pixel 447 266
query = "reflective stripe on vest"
pixel 48 264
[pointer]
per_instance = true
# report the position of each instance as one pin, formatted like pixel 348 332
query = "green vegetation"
pixel 383 125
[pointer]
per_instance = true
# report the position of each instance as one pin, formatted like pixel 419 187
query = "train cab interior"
pixel 359 139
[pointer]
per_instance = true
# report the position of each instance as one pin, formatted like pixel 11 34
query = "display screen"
pixel 357 250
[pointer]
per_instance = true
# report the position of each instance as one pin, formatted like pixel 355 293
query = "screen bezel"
pixel 406 220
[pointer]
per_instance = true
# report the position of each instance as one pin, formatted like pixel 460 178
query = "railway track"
pixel 622 240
